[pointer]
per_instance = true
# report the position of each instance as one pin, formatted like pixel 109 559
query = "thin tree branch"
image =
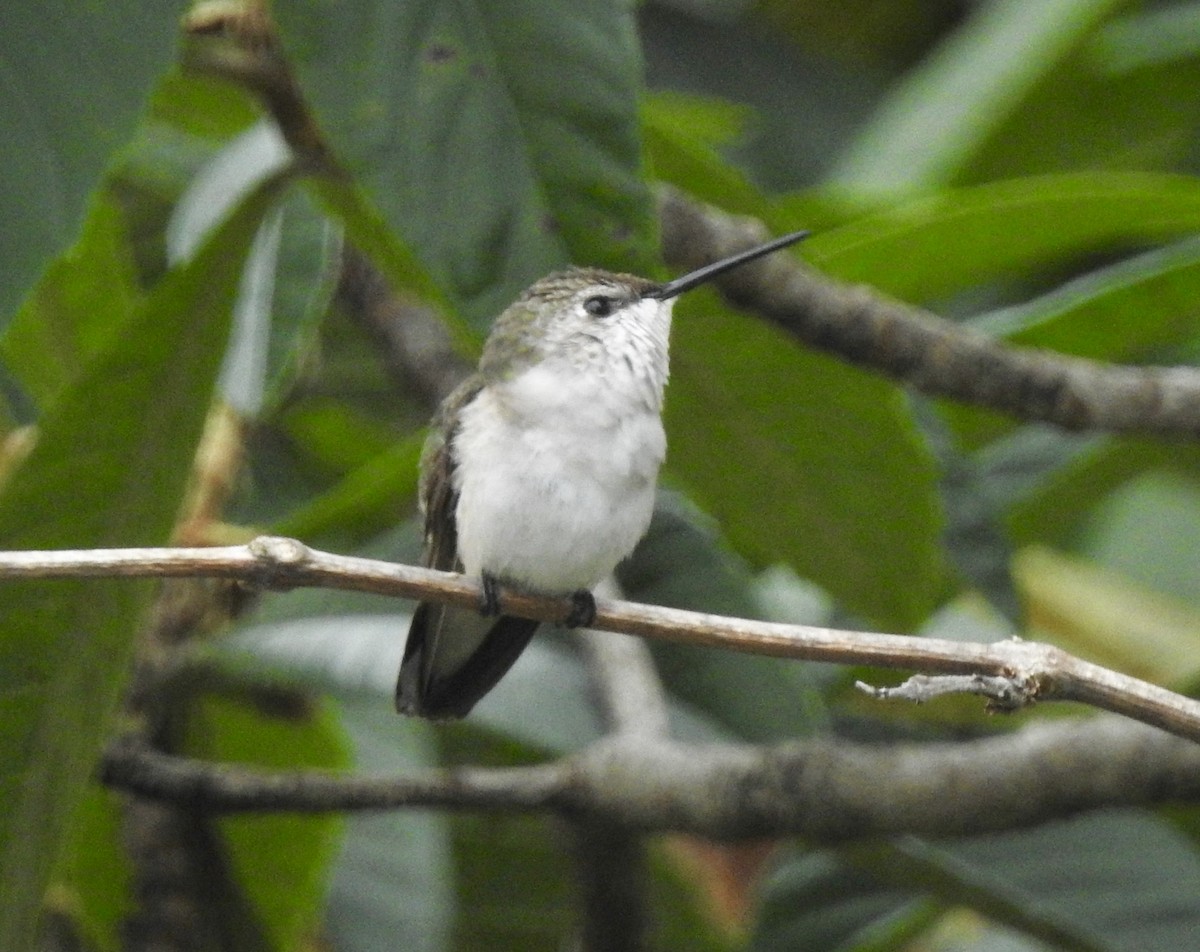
pixel 628 691
pixel 610 859
pixel 829 791
pixel 418 351
pixel 915 347
pixel 129 764
pixel 1003 694
pixel 610 864
pixel 1042 672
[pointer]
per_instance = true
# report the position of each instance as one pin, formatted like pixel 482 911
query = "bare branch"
pixel 271 562
pixel 129 764
pixel 610 859
pixel 827 790
pixel 417 349
pixel 935 356
pixel 611 868
pixel 1003 694
pixel 629 694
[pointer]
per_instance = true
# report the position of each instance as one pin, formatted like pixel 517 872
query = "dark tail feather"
pixel 425 691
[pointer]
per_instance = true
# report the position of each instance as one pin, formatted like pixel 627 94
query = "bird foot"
pixel 583 610
pixel 489 603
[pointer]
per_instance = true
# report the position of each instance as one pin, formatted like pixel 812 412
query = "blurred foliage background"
pixel 1026 167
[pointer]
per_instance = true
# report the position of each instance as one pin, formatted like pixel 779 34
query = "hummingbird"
pixel 540 469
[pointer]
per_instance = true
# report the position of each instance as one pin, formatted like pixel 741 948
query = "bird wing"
pixel 444 671
pixel 439 498
pixel 453 655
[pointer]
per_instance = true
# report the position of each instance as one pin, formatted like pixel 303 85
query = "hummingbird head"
pixel 583 319
pixel 599 321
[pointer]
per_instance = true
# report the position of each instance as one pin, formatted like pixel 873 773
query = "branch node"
pixel 1004 694
pixel 278 558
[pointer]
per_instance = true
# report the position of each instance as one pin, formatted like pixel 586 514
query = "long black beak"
pixel 709 271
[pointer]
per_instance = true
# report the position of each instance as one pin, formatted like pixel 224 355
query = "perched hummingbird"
pixel 540 470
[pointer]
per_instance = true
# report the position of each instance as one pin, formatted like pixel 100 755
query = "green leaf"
pixel 393 884
pixel 1104 615
pixel 933 246
pixel 305 279
pixel 366 497
pixel 335 436
pixel 805 462
pixel 279 863
pixel 1086 115
pixel 933 124
pixel 1154 36
pixel 1135 309
pixel 1149 530
pixel 1053 512
pixel 77 306
pixel 111 462
pixel 1105 882
pixel 681 136
pixel 812 901
pixel 266 333
pixel 203 106
pixel 1123 312
pixel 500 139
pixel 94 877
pixel 62 125
pixel 344 200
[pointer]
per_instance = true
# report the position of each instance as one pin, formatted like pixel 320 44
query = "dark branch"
pixel 130 765
pixel 829 791
pixel 417 349
pixel 917 348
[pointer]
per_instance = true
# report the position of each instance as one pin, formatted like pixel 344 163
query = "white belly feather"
pixel 554 491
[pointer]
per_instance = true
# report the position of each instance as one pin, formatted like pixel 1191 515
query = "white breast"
pixel 556 472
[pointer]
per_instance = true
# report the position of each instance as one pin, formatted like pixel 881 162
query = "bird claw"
pixel 489 602
pixel 583 610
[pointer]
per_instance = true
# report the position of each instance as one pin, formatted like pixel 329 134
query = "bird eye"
pixel 600 306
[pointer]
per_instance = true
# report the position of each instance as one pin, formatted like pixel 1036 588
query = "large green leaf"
pixel 1095 111
pixel 500 139
pixel 811 901
pixel 935 122
pixel 73 82
pixel 1119 313
pixel 110 465
pixel 936 245
pixel 1107 882
pixel 393 885
pixel 1049 482
pixel 805 462
pixel 682 135
pixel 78 304
pixel 278 864
pixel 1052 512
pixel 1149 531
